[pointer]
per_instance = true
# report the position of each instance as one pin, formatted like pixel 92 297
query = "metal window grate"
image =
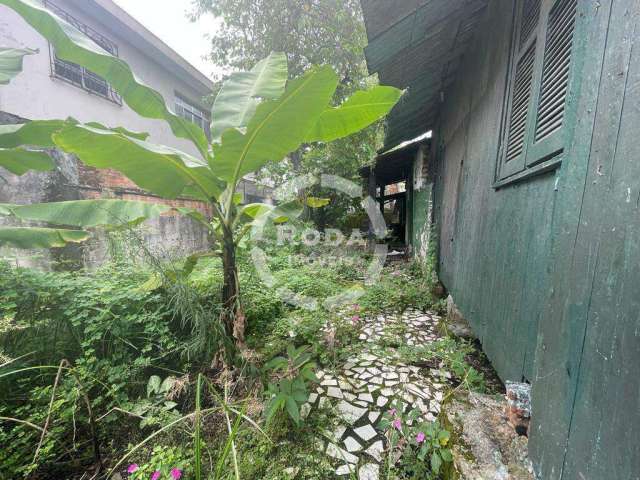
pixel 520 100
pixel 555 69
pixel 76 74
pixel 194 114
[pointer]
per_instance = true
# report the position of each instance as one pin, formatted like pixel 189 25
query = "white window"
pixel 191 112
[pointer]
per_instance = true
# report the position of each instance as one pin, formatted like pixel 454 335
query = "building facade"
pixel 534 179
pixel 50 88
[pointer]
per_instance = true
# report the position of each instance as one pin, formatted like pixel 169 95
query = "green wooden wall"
pixel 547 270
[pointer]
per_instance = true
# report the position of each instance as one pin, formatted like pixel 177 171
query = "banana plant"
pixel 257 117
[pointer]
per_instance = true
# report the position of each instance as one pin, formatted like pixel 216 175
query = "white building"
pixel 49 88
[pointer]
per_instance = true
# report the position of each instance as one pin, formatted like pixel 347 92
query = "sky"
pixel 167 20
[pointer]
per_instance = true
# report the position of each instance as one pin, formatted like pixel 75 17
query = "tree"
pixel 258 116
pixel 312 32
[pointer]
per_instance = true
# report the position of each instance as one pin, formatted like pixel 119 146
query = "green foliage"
pixel 288 453
pixel 111 332
pixel 163 459
pixel 451 355
pixel 20 160
pixel 238 99
pixel 424 446
pixel 34 237
pixel 400 287
pixel 327 32
pixel 78 213
pixel 290 392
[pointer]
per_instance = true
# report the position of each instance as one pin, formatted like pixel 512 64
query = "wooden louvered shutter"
pixel 521 87
pixel 540 80
pixel 553 80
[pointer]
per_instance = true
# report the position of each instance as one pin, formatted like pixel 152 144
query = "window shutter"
pixel 555 68
pixel 529 20
pixel 520 99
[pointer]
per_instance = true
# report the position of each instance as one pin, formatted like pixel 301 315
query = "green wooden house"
pixel 531 183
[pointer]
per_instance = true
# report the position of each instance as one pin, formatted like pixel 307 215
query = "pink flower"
pixel 395 274
pixel 132 468
pixel 420 437
pixel 393 412
pixel 155 475
pixel 397 424
pixel 356 307
pixel 355 318
pixel 176 473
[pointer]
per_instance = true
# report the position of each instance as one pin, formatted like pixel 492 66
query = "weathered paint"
pixel 546 270
pixel 421 206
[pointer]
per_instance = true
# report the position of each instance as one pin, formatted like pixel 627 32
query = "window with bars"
pixel 543 44
pixel 75 74
pixel 193 113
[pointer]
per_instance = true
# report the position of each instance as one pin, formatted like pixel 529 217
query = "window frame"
pixel 86 76
pixel 547 153
pixel 182 103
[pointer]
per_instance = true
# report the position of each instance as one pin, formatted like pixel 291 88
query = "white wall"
pixel 34 94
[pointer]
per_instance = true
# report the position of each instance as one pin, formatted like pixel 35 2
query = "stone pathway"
pixel 369 384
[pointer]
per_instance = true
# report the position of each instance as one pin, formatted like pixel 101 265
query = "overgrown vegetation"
pixel 191 367
pixel 99 339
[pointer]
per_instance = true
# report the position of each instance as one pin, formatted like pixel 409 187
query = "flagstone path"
pixel 369 384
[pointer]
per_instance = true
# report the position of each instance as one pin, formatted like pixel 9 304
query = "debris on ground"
pixel 487 446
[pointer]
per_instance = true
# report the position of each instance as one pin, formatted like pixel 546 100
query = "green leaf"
pixel 31 238
pixel 19 161
pixel 192 261
pixel 446 455
pixel 73 46
pixel 309 375
pixel 124 131
pixel 153 283
pixel 358 112
pixel 277 128
pixel 11 62
pixel 436 463
pixel 166 385
pixel 275 404
pixel 261 212
pixel 37 132
pixel 276 363
pixel 300 396
pixel 159 169
pixel 241 94
pixel 153 386
pixel 423 452
pixel 287 211
pixel 443 437
pixel 255 210
pixel 292 409
pixel 315 202
pixel 88 213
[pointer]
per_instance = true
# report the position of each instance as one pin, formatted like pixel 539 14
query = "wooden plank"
pixel 603 439
pixel 563 323
pixel 411 30
pixel 380 15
